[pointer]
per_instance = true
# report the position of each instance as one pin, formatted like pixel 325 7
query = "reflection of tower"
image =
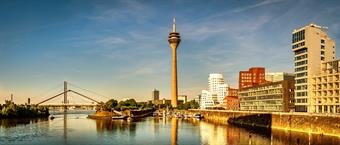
pixel 174 40
pixel 65 128
pixel 174 127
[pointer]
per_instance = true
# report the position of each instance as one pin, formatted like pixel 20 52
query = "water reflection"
pixel 65 127
pixel 74 129
pixel 7 123
pixel 174 128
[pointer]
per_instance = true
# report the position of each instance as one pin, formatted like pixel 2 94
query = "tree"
pixel 112 103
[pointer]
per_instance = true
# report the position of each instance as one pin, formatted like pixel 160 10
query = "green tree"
pixel 112 103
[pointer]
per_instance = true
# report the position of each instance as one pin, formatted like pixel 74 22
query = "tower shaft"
pixel 174 89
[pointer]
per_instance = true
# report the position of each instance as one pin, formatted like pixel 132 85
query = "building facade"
pixel 278 76
pixel 155 95
pixel 182 99
pixel 214 81
pixel 208 99
pixel 198 98
pixel 217 90
pixel 252 77
pixel 271 96
pixel 311 46
pixel 325 96
pixel 231 103
pixel 222 91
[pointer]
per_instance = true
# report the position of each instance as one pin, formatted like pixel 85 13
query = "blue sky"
pixel 120 48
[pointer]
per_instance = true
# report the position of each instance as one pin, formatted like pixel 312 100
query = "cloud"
pixel 124 10
pixel 111 41
pixel 200 31
pixel 260 4
pixel 146 68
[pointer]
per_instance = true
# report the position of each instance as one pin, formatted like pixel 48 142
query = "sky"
pixel 119 48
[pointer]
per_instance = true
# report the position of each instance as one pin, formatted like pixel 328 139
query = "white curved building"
pixel 214 81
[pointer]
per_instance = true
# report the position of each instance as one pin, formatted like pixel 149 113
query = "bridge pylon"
pixel 65 96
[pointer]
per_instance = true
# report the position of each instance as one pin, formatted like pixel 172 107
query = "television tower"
pixel 174 40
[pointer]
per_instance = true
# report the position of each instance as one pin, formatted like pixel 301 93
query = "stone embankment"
pixel 302 122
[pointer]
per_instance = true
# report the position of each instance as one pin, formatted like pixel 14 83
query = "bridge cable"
pixel 88 91
pixel 48 91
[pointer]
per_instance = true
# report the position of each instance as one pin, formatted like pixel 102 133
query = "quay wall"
pixel 302 122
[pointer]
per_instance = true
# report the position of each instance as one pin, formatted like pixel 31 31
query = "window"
pixel 301 63
pixel 322 58
pixel 301 74
pixel 322 41
pixel 301 69
pixel 322 52
pixel 298 81
pixel 298 36
pixel 299 45
pixel 301 57
pixel 303 50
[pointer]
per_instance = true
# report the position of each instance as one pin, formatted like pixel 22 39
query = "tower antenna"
pixel 174 25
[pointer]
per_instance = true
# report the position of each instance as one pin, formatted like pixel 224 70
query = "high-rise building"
pixel 214 81
pixel 254 76
pixel 311 46
pixel 325 97
pixel 155 95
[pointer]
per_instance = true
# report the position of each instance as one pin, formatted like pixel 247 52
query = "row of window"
pixel 298 36
pixel 299 81
pixel 301 100
pixel 298 45
pixel 301 63
pixel 303 87
pixel 301 57
pixel 303 50
pixel 301 74
pixel 301 108
pixel 300 69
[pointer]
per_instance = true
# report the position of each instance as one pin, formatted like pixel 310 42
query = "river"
pixel 77 129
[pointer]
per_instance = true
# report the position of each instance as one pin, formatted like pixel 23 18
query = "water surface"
pixel 76 129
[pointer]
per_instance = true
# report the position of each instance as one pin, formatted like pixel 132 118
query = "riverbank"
pixel 301 122
pixel 13 111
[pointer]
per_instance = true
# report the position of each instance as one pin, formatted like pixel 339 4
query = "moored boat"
pixel 198 116
pixel 119 117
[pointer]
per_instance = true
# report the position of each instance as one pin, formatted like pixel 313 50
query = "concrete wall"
pixel 302 122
